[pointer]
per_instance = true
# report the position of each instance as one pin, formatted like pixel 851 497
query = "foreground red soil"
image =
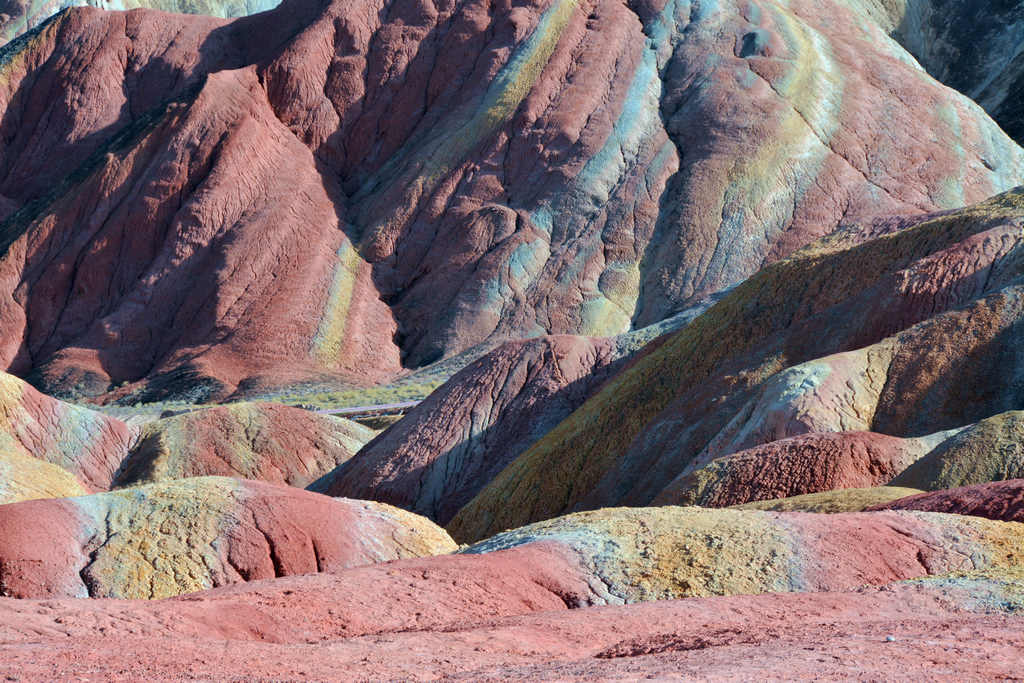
pixel 318 627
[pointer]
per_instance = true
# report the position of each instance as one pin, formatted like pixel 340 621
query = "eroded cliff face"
pixel 974 47
pixel 341 189
pixel 907 328
pixel 20 16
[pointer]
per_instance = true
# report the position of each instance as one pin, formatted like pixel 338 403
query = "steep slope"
pixel 262 441
pixel 921 321
pixel 240 272
pixel 327 189
pixel 172 538
pixel 443 452
pixel 51 447
pixel 974 47
pixel 20 16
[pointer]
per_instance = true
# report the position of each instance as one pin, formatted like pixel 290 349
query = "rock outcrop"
pixel 970 46
pixel 1002 500
pixel 991 450
pixel 178 537
pixel 919 318
pixel 640 554
pixel 77 450
pixel 332 190
pixel 261 441
pixel 20 16
pixel 446 449
pixel 799 465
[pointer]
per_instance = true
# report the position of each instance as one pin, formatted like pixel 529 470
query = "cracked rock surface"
pixel 640 554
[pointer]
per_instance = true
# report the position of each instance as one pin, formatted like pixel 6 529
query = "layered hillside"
pixel 443 452
pixel 260 441
pixel 20 16
pixel 335 190
pixel 974 47
pixel 51 448
pixel 723 301
pixel 906 328
pixel 178 537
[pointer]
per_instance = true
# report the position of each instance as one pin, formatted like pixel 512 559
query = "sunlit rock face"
pixel 907 328
pixel 340 189
pixel 973 47
pixel 176 537
pixel 19 16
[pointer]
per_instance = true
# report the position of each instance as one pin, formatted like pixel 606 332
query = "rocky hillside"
pixel 903 327
pixel 326 190
pixel 719 306
pixel 21 16
pixel 974 47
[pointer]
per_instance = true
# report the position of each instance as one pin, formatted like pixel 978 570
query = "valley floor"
pixel 937 630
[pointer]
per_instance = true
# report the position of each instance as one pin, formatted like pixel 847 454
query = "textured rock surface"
pixel 991 450
pixel 920 318
pixel 166 539
pixel 440 454
pixel 23 477
pixel 354 183
pixel 262 441
pixel 828 502
pixel 795 466
pixel 19 16
pixel 964 628
pixel 974 47
pixel 639 554
pixel 74 444
pixel 998 500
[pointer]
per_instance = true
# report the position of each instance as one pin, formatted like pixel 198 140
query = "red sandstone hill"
pixel 906 329
pixel 333 189
pixel 340 190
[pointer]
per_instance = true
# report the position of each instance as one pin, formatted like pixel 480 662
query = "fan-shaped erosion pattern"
pixel 335 190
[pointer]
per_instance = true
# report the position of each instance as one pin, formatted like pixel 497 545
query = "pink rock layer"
pixel 261 441
pixel 85 443
pixel 998 500
pixel 193 205
pixel 795 466
pixel 178 537
pixel 905 327
pixel 487 621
